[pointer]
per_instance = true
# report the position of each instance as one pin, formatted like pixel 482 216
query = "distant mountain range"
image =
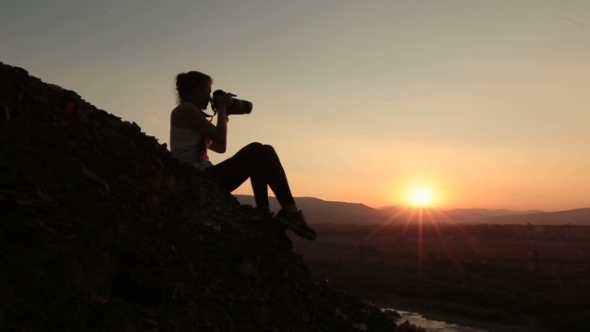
pixel 328 212
pixel 320 211
pixel 459 215
pixel 572 217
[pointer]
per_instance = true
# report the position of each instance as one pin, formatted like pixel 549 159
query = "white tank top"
pixel 184 143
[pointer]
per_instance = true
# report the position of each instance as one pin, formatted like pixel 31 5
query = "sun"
pixel 421 196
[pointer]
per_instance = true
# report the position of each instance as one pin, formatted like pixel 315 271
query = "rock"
pixel 6 295
pixel 248 269
pixel 102 229
pixel 361 327
pixel 305 317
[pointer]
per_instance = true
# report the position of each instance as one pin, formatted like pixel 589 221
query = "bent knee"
pixel 268 150
pixel 254 146
pixel 268 147
pixel 261 150
pixel 255 149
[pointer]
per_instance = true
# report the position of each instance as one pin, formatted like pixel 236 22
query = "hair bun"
pixel 181 77
pixel 187 82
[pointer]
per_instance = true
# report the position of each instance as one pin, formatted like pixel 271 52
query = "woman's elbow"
pixel 219 148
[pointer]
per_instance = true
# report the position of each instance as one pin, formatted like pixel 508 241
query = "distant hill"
pixel 573 217
pixel 474 214
pixel 319 211
pixel 459 215
pixel 485 216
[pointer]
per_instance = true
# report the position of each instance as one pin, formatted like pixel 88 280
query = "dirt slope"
pixel 101 230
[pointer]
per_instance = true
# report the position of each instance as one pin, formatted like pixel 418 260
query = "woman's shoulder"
pixel 183 107
pixel 179 114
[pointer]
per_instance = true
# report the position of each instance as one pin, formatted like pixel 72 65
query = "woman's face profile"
pixel 202 95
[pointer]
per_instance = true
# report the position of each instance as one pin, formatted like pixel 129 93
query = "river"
pixel 432 325
pixel 450 323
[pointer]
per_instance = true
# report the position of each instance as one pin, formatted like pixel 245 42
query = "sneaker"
pixel 297 223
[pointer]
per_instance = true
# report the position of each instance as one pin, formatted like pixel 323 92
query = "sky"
pixel 484 102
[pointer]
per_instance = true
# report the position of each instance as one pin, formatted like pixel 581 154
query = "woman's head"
pixel 195 87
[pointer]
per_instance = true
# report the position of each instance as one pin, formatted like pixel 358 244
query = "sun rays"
pixel 421 217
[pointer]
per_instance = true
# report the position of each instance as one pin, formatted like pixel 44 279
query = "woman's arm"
pixel 197 121
pixel 219 147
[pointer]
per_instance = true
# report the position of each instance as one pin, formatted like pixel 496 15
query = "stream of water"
pixel 432 325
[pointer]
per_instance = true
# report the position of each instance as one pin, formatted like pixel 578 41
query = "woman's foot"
pixel 297 223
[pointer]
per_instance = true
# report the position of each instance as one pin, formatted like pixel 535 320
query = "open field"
pixel 516 274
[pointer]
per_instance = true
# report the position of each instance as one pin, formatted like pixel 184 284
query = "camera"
pixel 238 106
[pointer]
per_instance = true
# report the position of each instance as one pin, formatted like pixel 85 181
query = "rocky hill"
pixel 102 230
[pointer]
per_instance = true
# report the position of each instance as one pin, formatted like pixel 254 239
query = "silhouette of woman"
pixel 192 135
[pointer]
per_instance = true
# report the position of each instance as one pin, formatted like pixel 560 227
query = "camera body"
pixel 238 106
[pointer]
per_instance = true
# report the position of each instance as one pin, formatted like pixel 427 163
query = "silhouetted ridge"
pixel 103 230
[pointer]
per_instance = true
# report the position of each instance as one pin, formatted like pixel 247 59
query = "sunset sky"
pixel 485 102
